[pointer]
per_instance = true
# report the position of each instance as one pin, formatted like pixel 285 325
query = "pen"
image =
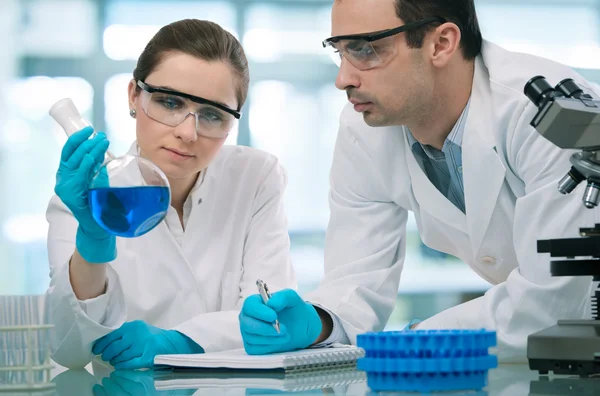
pixel 266 295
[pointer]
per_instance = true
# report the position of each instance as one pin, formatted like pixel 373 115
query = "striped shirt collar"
pixel 455 137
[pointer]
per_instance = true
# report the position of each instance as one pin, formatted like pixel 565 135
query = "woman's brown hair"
pixel 202 39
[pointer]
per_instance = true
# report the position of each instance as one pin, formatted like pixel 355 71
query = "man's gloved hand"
pixel 80 159
pixel 135 344
pixel 299 322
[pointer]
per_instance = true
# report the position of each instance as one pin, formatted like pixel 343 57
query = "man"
pixel 438 125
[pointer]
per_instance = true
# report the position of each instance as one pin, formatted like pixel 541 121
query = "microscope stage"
pixel 569 347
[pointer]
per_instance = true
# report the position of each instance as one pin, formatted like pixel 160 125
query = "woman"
pixel 178 288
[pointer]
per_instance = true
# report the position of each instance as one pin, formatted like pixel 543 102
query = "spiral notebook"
pixel 294 381
pixel 306 359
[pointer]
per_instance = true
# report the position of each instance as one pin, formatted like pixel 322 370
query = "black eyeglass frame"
pixel 196 99
pixel 370 37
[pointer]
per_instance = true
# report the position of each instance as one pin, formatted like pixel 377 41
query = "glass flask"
pixel 128 195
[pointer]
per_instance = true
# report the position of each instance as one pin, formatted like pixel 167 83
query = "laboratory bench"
pixel 505 380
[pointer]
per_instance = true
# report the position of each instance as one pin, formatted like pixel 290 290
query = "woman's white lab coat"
pixel 510 182
pixel 193 282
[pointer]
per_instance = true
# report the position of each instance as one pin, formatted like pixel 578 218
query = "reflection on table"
pixel 506 380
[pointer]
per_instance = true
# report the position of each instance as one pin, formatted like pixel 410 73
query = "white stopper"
pixel 69 118
pixel 67 115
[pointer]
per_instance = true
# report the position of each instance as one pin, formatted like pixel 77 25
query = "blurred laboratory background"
pixel 86 50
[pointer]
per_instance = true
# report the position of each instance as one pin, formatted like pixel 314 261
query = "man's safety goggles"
pixel 368 50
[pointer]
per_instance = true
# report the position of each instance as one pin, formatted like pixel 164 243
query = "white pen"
pixel 266 295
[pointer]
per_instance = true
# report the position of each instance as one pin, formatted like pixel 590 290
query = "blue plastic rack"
pixel 427 360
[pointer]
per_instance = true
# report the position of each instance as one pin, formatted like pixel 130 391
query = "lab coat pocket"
pixel 230 290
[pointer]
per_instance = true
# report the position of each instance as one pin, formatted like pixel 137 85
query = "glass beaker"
pixel 128 195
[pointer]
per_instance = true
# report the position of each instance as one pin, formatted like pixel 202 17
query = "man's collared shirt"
pixel 444 167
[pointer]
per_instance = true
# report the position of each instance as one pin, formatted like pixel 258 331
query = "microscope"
pixel 570 119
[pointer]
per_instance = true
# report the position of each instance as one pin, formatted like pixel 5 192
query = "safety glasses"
pixel 368 50
pixel 171 108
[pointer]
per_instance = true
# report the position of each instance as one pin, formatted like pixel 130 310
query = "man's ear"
pixel 445 42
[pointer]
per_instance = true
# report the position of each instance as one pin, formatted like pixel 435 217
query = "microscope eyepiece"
pixel 569 88
pixel 538 90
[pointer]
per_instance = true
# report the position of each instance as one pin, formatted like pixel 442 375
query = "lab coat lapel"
pixel 430 199
pixel 171 248
pixel 484 171
pixel 180 260
pixel 195 239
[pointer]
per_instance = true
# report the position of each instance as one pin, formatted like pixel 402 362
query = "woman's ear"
pixel 132 94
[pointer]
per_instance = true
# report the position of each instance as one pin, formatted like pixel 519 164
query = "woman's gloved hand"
pixel 300 324
pixel 80 159
pixel 127 383
pixel 135 344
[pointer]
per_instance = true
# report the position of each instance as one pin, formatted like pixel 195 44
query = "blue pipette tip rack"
pixel 394 382
pixel 430 365
pixel 427 343
pixel 427 360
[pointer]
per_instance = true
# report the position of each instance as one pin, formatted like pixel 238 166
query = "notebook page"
pixel 238 359
pixel 289 382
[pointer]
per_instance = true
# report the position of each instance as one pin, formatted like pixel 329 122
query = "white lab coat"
pixel 193 282
pixel 510 181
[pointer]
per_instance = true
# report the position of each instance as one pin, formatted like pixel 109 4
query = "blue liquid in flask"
pixel 129 211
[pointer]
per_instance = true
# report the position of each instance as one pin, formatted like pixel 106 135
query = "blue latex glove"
pixel 135 344
pixel 133 383
pixel 299 322
pixel 80 159
pixel 124 383
pixel 410 325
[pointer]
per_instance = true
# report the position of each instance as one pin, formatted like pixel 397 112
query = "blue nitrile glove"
pixel 410 324
pixel 299 322
pixel 134 383
pixel 135 344
pixel 80 159
pixel 126 382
